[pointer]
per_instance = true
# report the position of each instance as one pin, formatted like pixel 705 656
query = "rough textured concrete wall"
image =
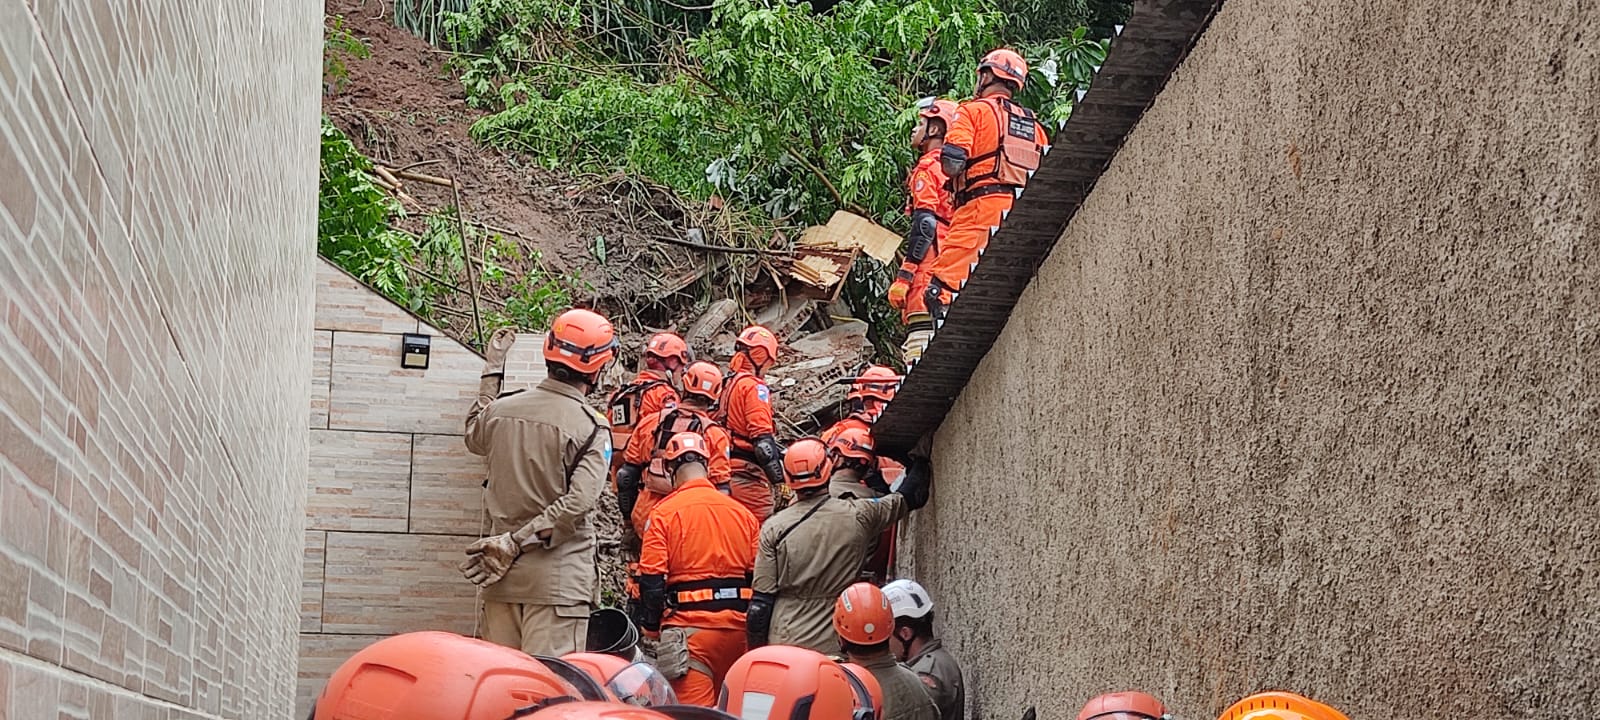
pixel 158 173
pixel 393 495
pixel 1308 394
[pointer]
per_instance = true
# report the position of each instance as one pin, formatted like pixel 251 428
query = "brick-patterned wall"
pixel 158 171
pixel 393 495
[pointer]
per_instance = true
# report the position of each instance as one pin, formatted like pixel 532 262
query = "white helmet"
pixel 908 599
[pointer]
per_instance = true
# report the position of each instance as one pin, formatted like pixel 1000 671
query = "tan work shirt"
pixel 847 483
pixel 940 672
pixel 531 439
pixel 904 695
pixel 815 561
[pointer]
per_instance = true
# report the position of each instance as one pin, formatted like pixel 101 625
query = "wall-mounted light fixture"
pixel 414 351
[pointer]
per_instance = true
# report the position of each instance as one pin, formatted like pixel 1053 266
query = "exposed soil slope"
pixel 402 106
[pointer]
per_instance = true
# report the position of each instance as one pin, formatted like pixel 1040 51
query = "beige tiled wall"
pixel 393 496
pixel 158 175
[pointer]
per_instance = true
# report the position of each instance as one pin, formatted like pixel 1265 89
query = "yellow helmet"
pixel 1278 705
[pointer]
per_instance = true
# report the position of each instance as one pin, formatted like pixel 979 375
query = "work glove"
pixel 918 484
pixel 784 496
pixel 897 293
pixel 499 346
pixel 489 559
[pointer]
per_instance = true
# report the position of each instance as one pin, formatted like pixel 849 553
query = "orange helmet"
pixel 581 340
pixel 852 442
pixel 668 346
pixel 685 443
pixel 703 379
pixel 634 683
pixel 437 676
pixel 937 108
pixel 1006 64
pixel 862 615
pixel 1278 705
pixel 869 694
pixel 804 463
pixel 1130 705
pixel 755 338
pixel 876 382
pixel 793 682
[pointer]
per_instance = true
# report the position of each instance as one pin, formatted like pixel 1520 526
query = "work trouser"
pixel 549 630
pixel 750 487
pixel 919 331
pixel 696 660
pixel 959 249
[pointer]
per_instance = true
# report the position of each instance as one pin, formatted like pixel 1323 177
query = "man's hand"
pixel 489 559
pixel 784 496
pixel 494 354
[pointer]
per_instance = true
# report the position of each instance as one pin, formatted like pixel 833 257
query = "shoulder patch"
pixel 921 183
pixel 762 392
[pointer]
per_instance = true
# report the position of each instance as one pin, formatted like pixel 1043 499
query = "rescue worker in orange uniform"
pixel 1127 705
pixel 930 208
pixel 864 621
pixel 869 394
pixel 992 148
pixel 782 682
pixel 812 550
pixel 547 455
pixel 1278 705
pixel 649 392
pixel 642 479
pixel 746 411
pixel 698 553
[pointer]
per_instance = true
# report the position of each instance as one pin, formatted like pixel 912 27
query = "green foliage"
pixel 425 18
pixel 786 113
pixel 337 45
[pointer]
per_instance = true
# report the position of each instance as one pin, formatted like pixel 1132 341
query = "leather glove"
pixel 897 293
pixel 917 484
pixel 499 346
pixel 489 559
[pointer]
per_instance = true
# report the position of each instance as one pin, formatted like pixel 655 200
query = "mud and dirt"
pixel 404 107
pixel 1308 395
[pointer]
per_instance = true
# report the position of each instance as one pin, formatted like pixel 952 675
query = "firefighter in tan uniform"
pixel 811 551
pixel 864 621
pixel 915 645
pixel 548 454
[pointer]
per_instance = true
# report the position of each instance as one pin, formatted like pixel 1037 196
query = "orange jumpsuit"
pixel 980 198
pixel 653 432
pixel 649 393
pixel 926 186
pixel 746 411
pixel 695 564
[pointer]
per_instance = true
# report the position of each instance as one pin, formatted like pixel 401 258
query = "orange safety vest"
pixel 1018 147
pixel 625 407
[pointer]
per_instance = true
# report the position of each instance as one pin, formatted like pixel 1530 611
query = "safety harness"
pixel 1016 153
pixel 679 419
pixel 623 408
pixel 713 595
